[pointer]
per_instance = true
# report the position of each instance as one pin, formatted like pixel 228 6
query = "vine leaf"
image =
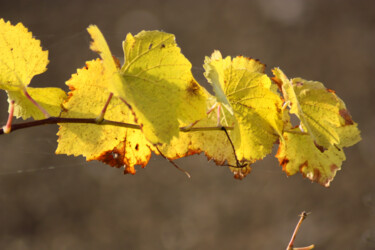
pixel 241 86
pixel 155 79
pixel 251 104
pixel 100 46
pixel 322 113
pixel 214 144
pixel 298 153
pixel 113 145
pixel 21 58
pixel 327 127
pixel 49 98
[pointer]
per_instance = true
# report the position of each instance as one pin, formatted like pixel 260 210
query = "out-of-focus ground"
pixel 81 205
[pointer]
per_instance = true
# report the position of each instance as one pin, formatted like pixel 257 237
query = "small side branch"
pixel 303 216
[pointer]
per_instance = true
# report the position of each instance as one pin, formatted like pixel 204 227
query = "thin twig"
pixel 303 216
pixel 173 163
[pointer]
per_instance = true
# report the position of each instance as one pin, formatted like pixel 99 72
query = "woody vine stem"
pixel 55 120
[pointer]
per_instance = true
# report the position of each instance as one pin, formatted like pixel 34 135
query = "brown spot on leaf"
pixel 321 148
pixel 71 87
pixel 347 117
pixel 162 46
pixel 317 175
pixel 302 166
pixel 70 94
pixel 114 157
pixel 331 91
pixel 137 147
pixel 278 82
pixel 117 158
pixel 149 47
pixel 129 170
pixel 187 153
pixel 193 88
pixel 299 84
pixel 334 168
pixel 253 59
pixel 283 161
pixel 117 62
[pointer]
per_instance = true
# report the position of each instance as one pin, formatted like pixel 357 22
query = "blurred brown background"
pixel 79 205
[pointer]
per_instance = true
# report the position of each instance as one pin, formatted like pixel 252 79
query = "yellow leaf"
pixel 155 79
pixel 100 46
pixel 242 88
pixel 21 56
pixel 116 146
pixel 322 113
pixel 255 103
pixel 298 153
pixel 215 74
pixel 50 99
pixel 213 143
pixel 158 80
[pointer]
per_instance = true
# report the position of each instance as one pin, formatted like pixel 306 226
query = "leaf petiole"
pixel 173 163
pixel 8 127
pixel 100 118
pixel 45 113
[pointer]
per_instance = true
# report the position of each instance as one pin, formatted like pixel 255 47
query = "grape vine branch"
pixel 152 103
pixel 56 120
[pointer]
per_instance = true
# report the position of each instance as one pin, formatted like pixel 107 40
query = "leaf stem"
pixel 231 143
pixel 55 120
pixel 8 127
pixel 173 163
pixel 46 114
pixel 100 118
pixel 295 132
pixel 190 126
pixel 194 129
